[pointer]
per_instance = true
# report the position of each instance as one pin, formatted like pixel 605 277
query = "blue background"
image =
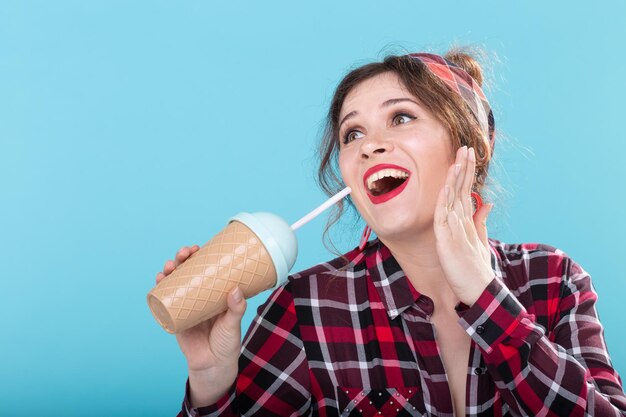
pixel 130 129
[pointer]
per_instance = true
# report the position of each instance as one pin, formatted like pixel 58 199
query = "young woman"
pixel 430 318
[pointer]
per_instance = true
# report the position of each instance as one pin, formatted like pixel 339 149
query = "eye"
pixel 350 136
pixel 402 118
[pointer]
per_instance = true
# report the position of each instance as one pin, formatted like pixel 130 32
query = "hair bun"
pixel 466 60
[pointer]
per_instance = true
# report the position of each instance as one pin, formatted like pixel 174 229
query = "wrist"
pixel 469 296
pixel 206 387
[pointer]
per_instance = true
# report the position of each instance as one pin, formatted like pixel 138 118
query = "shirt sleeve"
pixel 273 376
pixel 566 372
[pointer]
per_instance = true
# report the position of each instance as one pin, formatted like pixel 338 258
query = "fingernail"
pixel 472 156
pixel 237 294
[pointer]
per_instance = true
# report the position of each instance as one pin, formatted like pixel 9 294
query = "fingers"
pixel 458 209
pixel 455 180
pixel 181 256
pixel 449 210
pixel 169 267
pixel 461 162
pixel 468 182
pixel 441 211
pixel 451 184
pixel 465 167
pixel 236 308
pixel 457 228
pixel 480 221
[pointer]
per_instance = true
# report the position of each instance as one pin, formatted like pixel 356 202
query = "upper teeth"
pixel 390 172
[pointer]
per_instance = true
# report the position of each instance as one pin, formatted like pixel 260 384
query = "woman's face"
pixel 385 131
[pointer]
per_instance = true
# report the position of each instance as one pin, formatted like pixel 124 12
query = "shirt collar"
pixel 394 289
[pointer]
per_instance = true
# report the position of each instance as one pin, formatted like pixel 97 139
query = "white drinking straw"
pixel 341 194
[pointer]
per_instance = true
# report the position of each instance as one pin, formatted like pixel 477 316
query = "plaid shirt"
pixel 358 341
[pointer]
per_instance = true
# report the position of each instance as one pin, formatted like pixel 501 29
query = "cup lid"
pixel 277 237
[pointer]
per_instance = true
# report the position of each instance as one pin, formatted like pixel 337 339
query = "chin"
pixel 391 231
pixel 402 228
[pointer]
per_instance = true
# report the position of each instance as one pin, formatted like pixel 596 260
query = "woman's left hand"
pixel 462 243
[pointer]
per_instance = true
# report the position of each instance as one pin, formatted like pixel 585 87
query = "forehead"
pixel 374 90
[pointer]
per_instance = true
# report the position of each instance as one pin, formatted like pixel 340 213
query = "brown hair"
pixel 447 106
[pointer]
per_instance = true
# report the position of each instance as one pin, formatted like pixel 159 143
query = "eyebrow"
pixel 387 103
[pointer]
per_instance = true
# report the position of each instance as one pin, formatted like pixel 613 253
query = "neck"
pixel 418 258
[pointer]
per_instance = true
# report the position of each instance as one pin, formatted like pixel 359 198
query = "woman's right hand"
pixel 211 347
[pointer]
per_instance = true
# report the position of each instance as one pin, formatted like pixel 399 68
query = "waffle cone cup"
pixel 198 288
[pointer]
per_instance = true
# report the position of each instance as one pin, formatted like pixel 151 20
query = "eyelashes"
pixel 347 138
pixel 405 117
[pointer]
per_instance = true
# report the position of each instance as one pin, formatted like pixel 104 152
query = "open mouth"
pixel 385 185
pixel 385 180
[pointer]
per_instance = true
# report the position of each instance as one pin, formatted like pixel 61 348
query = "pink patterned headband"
pixel 462 83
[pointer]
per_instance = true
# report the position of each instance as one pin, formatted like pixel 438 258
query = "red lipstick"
pixel 387 196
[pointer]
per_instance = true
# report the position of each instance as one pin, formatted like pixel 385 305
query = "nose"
pixel 375 145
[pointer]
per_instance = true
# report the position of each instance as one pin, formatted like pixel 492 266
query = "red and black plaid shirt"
pixel 358 341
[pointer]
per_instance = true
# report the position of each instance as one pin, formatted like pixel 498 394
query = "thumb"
pixel 236 308
pixel 480 222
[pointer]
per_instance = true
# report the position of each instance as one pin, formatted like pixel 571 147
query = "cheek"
pixel 433 173
pixel 344 166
